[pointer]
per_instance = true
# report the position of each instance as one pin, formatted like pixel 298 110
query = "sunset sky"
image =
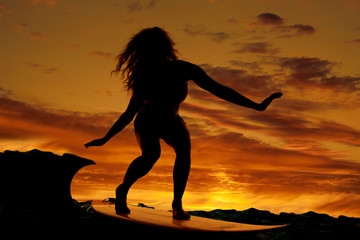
pixel 302 154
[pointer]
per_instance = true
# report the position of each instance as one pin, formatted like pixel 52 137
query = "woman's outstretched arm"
pixel 120 124
pixel 200 77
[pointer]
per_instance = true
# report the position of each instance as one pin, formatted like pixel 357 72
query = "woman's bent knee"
pixel 151 157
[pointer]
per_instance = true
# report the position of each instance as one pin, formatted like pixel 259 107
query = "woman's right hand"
pixel 276 95
pixel 96 142
pixel 267 101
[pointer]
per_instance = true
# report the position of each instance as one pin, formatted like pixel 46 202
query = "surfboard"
pixel 161 218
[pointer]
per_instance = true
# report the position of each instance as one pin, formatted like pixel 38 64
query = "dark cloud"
pixel 356 41
pixel 269 19
pixel 307 67
pixel 51 70
pixel 201 30
pixel 258 48
pixel 233 21
pixel 310 73
pixel 276 25
pixel 5 92
pixel 303 29
pixel 293 30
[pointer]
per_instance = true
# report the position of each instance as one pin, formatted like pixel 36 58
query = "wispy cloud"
pixel 51 70
pixel 41 67
pixel 251 66
pixel 21 26
pixel 201 30
pixel 102 54
pixel 356 41
pixel 137 5
pixel 257 48
pixel 37 36
pixel 75 47
pixel 107 92
pixel 46 2
pixel 4 10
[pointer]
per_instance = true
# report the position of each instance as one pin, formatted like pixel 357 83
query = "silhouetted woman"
pixel 158 82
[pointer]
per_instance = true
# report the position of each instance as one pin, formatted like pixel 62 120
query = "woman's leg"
pixel 178 137
pixel 150 147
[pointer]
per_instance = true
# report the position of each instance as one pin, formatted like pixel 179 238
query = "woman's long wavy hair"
pixel 149 46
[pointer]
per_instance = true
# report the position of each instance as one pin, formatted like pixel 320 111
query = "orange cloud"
pixel 223 160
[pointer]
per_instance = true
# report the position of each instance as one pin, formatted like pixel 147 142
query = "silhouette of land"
pixel 35 199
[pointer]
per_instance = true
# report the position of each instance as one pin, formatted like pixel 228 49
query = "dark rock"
pixel 315 217
pixel 309 225
pixel 144 206
pixel 251 216
pixel 35 183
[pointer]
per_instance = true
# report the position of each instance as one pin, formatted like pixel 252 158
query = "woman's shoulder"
pixel 185 66
pixel 182 63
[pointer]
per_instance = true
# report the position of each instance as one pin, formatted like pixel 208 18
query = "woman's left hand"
pixel 96 142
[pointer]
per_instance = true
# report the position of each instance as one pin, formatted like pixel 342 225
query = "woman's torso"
pixel 164 87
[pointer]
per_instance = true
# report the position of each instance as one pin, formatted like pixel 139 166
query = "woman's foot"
pixel 120 202
pixel 121 209
pixel 179 213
